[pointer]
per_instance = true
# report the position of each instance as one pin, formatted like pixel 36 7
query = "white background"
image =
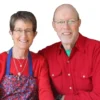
pixel 89 11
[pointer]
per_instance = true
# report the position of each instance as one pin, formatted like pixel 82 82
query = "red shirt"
pixel 40 72
pixel 78 76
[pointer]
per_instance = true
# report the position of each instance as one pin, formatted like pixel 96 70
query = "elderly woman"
pixel 23 74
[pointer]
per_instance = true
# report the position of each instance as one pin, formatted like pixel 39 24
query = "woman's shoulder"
pixel 3 56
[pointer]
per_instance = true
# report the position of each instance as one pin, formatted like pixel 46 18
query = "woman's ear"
pixel 35 33
pixel 10 32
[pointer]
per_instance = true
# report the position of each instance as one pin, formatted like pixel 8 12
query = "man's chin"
pixel 66 42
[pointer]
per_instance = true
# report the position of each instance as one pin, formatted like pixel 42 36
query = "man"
pixel 74 63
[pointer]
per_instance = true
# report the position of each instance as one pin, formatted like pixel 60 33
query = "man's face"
pixel 66 24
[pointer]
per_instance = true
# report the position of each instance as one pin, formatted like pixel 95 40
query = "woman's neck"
pixel 19 53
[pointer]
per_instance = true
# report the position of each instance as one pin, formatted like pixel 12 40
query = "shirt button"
pixel 70 88
pixel 83 76
pixel 69 74
pixel 53 75
pixel 68 61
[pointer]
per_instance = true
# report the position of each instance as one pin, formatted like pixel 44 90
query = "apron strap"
pixel 30 64
pixel 9 60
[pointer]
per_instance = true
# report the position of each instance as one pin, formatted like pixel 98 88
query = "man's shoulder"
pixel 51 47
pixel 36 56
pixel 91 45
pixel 92 41
pixel 87 40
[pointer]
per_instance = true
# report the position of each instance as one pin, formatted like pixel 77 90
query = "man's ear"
pixel 79 22
pixel 53 25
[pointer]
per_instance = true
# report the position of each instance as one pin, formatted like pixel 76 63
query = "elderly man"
pixel 74 63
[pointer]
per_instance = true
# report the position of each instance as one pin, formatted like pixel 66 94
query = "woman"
pixel 23 74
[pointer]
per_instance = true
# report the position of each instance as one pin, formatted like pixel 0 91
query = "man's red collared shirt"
pixel 78 76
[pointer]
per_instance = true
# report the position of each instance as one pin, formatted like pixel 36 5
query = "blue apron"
pixel 23 89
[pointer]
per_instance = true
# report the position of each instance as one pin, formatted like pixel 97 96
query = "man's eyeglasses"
pixel 68 22
pixel 20 31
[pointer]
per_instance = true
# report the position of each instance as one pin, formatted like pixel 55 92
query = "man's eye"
pixel 71 21
pixel 61 22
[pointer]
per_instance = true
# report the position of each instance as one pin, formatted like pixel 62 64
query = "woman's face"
pixel 23 34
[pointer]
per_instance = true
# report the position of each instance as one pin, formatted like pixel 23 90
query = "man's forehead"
pixel 66 10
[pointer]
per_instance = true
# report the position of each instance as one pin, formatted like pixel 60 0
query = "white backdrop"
pixel 89 11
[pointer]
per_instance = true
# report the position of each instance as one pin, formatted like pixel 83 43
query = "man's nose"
pixel 66 25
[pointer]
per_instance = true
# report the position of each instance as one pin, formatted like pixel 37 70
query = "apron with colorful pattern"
pixel 24 88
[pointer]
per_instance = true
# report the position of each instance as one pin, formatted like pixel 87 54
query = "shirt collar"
pixel 80 44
